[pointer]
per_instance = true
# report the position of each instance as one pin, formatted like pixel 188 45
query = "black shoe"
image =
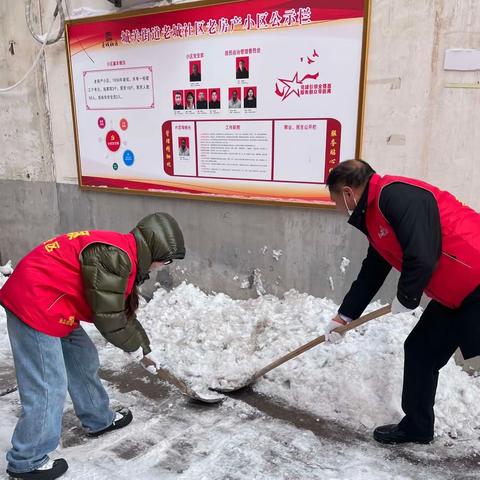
pixel 52 469
pixel 393 434
pixel 123 416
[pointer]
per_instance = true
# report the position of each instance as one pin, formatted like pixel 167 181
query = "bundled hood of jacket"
pixel 159 239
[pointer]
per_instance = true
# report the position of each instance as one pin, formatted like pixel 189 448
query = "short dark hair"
pixel 350 173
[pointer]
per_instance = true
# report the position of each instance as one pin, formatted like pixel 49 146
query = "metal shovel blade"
pixel 234 388
pixel 165 375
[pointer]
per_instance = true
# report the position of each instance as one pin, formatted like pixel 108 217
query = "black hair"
pixel 350 173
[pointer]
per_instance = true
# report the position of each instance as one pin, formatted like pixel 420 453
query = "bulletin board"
pixel 249 101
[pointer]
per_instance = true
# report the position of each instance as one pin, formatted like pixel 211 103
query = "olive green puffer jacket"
pixel 105 271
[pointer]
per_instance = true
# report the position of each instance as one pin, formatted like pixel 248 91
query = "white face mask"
pixel 349 212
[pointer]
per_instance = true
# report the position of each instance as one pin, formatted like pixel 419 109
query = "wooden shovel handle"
pixel 344 328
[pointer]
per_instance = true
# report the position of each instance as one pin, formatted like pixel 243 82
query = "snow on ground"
pixel 212 340
pixel 171 440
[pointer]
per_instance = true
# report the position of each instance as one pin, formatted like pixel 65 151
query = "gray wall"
pixel 225 242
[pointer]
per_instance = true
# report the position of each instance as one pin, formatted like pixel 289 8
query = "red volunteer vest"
pixel 46 288
pixel 458 270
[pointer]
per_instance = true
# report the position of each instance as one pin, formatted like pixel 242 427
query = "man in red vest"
pixel 434 241
pixel 88 275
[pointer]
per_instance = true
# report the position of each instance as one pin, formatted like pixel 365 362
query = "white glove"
pixel 137 355
pixel 338 321
pixel 151 363
pixel 158 363
pixel 397 307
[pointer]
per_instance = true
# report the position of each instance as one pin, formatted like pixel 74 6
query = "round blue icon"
pixel 128 158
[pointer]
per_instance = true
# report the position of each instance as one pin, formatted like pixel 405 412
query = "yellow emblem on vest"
pixel 73 235
pixel 50 247
pixel 67 321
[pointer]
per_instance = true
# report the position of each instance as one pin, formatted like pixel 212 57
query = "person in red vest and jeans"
pixel 88 275
pixel 434 241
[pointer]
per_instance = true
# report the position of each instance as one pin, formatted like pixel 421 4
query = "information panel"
pixel 255 100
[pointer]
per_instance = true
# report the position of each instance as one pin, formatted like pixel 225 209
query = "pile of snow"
pixel 214 340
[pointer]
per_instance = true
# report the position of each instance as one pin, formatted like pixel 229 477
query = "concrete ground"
pixel 178 438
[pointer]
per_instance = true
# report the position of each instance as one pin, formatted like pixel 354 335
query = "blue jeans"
pixel 46 367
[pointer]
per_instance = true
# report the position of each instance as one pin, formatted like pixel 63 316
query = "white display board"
pixel 254 100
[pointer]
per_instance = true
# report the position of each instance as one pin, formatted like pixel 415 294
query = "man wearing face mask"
pixel 434 241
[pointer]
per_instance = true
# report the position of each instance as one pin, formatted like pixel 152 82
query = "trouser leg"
pixel 89 397
pixel 427 349
pixel 42 386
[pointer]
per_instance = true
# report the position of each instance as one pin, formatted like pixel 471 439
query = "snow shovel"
pixel 304 348
pixel 162 373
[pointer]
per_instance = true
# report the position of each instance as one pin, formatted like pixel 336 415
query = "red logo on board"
pixel 113 140
pixel 284 87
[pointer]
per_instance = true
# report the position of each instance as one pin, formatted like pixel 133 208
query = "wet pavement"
pixel 179 434
pixel 326 430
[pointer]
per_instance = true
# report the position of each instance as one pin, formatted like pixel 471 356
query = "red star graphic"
pixel 291 89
